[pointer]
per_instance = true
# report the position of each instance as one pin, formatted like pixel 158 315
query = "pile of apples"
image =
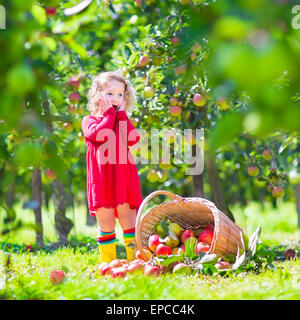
pixel 168 239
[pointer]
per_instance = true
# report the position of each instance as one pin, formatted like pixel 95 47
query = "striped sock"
pixel 107 246
pixel 129 236
pixel 106 237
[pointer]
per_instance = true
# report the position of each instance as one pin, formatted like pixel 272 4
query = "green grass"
pixel 28 274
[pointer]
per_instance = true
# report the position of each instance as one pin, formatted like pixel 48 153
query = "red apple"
pixel 153 242
pixel 221 265
pixel 152 271
pixel 116 263
pixel 50 174
pixel 209 227
pixel 29 247
pixel 104 268
pixel 277 192
pixel 253 171
pixel 196 48
pixel 50 11
pixel 267 154
pixel 272 170
pixel 74 97
pixel 143 61
pixel 206 236
pixel 173 101
pixel 138 3
pixel 118 272
pixel 180 70
pixel 163 250
pixel 202 247
pixel 74 82
pixel 199 100
pixel 185 235
pixel 175 110
pixel 175 41
pixel 57 276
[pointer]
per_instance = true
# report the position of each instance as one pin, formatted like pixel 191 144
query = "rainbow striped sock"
pixel 129 236
pixel 106 237
pixel 107 245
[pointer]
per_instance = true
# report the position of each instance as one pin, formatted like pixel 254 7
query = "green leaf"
pixel 190 248
pixel 39 14
pixel 172 234
pixel 209 259
pixel 172 258
pixel 165 226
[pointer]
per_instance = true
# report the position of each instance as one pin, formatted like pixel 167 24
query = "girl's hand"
pixel 104 103
pixel 122 106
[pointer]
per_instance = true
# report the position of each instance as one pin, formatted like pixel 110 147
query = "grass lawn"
pixel 27 276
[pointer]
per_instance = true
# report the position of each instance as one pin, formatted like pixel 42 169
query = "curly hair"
pixel 98 84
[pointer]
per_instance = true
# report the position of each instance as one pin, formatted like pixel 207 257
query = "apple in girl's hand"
pixel 163 250
pixel 185 235
pixel 202 247
pixel 57 276
pixel 152 271
pixel 206 236
pixel 153 242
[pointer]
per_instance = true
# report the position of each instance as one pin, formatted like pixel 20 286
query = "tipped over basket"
pixel 189 213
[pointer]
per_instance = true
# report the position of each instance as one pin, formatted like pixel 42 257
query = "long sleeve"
pixel 92 127
pixel 122 115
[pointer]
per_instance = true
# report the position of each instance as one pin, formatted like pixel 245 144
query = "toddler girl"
pixel 113 188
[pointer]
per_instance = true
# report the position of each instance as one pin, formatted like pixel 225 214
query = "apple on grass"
pixel 182 268
pixel 57 276
pixel 150 270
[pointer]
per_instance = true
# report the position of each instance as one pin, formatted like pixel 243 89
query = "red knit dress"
pixel 114 182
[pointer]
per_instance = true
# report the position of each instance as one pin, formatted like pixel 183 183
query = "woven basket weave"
pixel 189 213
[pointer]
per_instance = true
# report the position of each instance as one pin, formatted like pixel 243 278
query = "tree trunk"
pixel 297 189
pixel 90 220
pixel 197 180
pixel 37 195
pixel 63 225
pixel 214 181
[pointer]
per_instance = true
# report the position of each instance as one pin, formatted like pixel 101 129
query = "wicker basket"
pixel 190 213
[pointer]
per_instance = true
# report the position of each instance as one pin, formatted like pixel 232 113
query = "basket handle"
pixel 140 212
